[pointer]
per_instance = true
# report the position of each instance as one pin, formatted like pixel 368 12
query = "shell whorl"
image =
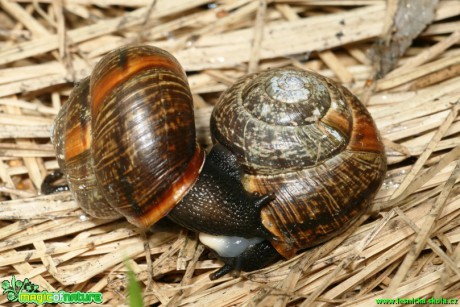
pixel 71 137
pixel 324 162
pixel 282 120
pixel 290 98
pixel 133 132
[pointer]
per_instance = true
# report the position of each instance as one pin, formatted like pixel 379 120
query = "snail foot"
pixel 48 187
pixel 227 268
pixel 253 258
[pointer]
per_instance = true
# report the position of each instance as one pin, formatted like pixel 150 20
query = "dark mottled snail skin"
pixel 48 185
pixel 308 141
pixel 253 258
pixel 296 160
pixel 239 212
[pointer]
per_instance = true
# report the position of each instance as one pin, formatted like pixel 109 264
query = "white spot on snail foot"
pixel 227 246
pixel 81 186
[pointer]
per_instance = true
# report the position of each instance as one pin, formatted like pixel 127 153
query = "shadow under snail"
pixel 296 157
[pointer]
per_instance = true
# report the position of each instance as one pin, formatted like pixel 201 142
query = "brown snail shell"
pixel 126 137
pixel 309 141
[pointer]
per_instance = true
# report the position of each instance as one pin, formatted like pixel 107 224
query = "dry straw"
pixel 407 246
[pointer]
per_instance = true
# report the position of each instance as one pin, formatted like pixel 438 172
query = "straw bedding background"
pixel 406 247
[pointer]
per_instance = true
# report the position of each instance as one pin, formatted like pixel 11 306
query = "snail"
pixel 311 143
pixel 296 157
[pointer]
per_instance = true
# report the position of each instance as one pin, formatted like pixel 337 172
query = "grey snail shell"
pixel 309 141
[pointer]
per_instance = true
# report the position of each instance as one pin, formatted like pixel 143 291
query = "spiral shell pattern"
pixel 309 141
pixel 129 129
pixel 71 136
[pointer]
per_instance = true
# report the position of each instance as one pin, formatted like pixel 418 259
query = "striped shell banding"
pixel 309 141
pixel 126 137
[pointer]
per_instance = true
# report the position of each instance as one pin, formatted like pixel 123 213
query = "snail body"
pixel 296 157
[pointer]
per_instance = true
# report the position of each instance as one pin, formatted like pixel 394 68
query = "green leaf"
pixel 134 289
pixel 5 285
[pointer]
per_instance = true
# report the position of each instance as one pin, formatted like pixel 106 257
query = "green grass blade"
pixel 134 289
